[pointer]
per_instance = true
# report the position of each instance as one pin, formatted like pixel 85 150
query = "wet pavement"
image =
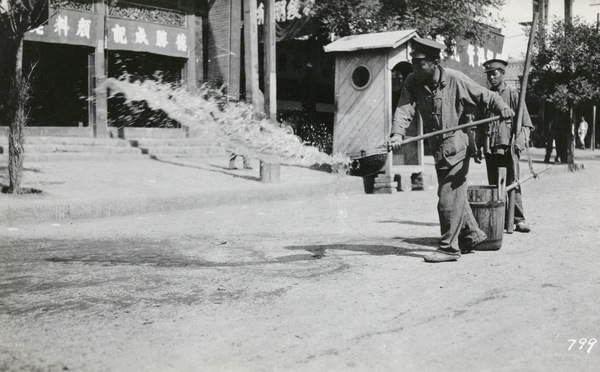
pixel 329 281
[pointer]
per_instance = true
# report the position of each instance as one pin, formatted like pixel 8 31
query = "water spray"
pixel 234 126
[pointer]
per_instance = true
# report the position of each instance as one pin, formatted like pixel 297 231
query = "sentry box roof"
pixel 391 39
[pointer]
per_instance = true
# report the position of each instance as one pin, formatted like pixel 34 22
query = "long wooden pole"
pixel 516 128
pixel 515 184
pixel 453 129
pixel 593 139
pixel 387 148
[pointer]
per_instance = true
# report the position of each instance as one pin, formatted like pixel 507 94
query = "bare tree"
pixel 16 18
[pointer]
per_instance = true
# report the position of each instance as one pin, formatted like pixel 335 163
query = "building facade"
pixel 190 42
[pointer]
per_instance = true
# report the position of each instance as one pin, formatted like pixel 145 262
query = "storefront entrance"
pixel 60 85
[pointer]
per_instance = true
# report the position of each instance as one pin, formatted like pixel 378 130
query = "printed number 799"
pixel 583 342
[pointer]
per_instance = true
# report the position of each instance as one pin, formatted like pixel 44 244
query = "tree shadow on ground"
pixel 4 170
pixel 24 190
pixel 213 168
pixel 415 223
pixel 319 251
pixel 5 182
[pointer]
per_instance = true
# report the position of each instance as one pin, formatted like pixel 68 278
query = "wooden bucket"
pixel 489 213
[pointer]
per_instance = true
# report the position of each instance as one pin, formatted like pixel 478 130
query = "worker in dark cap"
pixel 496 138
pixel 443 97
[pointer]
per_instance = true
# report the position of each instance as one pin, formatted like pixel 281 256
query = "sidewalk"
pixel 104 188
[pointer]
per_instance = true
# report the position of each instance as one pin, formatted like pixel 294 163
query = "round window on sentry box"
pixel 361 77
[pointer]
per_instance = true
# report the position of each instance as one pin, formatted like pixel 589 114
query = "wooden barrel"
pixel 489 213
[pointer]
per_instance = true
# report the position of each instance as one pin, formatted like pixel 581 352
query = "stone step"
pixel 65 156
pixel 76 141
pixel 70 141
pixel 156 142
pixel 184 150
pixel 38 148
pixel 221 155
pixel 54 148
pixel 159 133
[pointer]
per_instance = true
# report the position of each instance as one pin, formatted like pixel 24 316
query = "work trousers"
pixel 495 161
pixel 457 224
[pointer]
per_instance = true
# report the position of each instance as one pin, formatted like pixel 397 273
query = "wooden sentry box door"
pixel 360 113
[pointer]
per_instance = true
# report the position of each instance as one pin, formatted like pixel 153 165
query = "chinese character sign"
pixel 293 17
pixel 119 34
pixel 80 28
pixel 83 27
pixel 469 58
pixel 140 36
pixel 286 10
pixel 61 24
pixel 181 42
pixel 67 27
pixel 293 10
pixel 161 39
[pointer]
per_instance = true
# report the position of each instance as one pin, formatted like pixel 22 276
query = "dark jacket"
pixel 498 133
pixel 443 107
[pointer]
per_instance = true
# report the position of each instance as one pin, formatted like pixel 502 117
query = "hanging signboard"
pixel 67 26
pixel 469 58
pixel 125 34
pixel 292 18
pixel 76 27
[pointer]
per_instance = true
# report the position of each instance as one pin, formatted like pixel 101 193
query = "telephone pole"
pixel 571 124
pixel 541 7
pixel 593 135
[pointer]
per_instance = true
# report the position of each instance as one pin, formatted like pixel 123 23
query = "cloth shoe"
pixel 467 247
pixel 442 256
pixel 522 227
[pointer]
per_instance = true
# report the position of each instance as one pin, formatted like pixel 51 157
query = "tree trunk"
pixel 17 117
pixel 571 140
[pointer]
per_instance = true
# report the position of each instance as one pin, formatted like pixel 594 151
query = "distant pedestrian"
pixel 442 96
pixel 582 131
pixel 498 153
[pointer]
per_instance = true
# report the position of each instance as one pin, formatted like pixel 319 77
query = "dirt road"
pixel 330 284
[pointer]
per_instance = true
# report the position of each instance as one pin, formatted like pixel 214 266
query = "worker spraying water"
pixel 443 97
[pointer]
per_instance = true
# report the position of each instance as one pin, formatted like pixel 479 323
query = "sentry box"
pixel 369 72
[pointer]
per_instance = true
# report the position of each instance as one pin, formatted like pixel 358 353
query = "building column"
pixel 190 64
pixel 235 50
pixel 100 124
